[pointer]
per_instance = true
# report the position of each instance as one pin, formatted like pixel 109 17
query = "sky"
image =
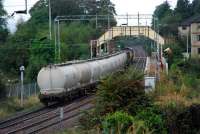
pixel 122 7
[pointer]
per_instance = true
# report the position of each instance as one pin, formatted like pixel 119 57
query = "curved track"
pixel 48 120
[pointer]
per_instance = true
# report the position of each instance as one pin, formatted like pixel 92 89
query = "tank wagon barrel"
pixel 59 81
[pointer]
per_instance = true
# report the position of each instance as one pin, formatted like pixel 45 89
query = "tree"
pixel 66 7
pixel 162 10
pixel 195 7
pixel 165 17
pixel 3 29
pixel 18 48
pixel 39 12
pixel 106 7
pixel 183 8
pixel 41 54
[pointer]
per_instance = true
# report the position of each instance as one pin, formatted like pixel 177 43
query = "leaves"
pixel 121 91
pixel 117 123
pixel 3 28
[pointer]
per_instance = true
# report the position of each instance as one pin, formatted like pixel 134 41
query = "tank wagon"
pixel 62 81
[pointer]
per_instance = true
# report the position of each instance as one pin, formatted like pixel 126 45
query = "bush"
pixel 123 123
pixel 188 121
pixel 153 119
pixel 90 120
pixel 117 123
pixel 122 91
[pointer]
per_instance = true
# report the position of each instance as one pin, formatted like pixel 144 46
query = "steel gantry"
pixel 137 29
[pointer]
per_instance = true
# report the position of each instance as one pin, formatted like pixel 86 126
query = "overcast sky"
pixel 122 7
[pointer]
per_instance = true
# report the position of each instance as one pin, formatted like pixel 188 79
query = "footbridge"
pixel 104 41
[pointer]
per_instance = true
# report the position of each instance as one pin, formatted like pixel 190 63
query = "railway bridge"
pixel 103 42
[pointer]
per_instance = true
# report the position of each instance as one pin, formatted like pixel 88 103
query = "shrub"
pixel 123 123
pixel 188 121
pixel 117 123
pixel 90 120
pixel 122 91
pixel 153 119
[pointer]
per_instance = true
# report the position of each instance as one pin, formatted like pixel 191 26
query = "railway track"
pixel 139 63
pixel 46 120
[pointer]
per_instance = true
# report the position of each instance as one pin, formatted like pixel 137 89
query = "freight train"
pixel 63 81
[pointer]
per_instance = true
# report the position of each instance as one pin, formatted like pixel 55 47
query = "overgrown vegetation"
pixel 122 106
pixel 12 106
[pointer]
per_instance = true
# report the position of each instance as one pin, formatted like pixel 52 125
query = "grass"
pixel 12 106
pixel 168 92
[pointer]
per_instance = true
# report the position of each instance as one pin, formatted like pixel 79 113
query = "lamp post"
pixel 22 69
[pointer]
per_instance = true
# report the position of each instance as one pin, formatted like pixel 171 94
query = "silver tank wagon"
pixel 59 81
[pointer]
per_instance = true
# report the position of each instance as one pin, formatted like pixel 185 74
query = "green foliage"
pixel 182 119
pixel 90 120
pixel 169 19
pixel 3 29
pixel 163 14
pixel 183 8
pixel 77 32
pixel 188 121
pixel 162 10
pixel 76 48
pixel 153 119
pixel 195 7
pixel 122 91
pixel 171 111
pixel 75 37
pixel 176 53
pixel 12 57
pixel 190 66
pixel 187 72
pixel 117 123
pixel 39 12
pixel 41 54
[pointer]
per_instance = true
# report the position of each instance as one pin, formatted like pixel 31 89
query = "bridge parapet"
pixel 130 31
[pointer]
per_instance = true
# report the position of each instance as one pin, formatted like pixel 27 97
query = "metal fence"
pixel 29 90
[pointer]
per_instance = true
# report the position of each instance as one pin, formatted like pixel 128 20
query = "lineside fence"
pixel 29 90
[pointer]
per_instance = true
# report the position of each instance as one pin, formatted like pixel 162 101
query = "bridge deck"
pixel 130 31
